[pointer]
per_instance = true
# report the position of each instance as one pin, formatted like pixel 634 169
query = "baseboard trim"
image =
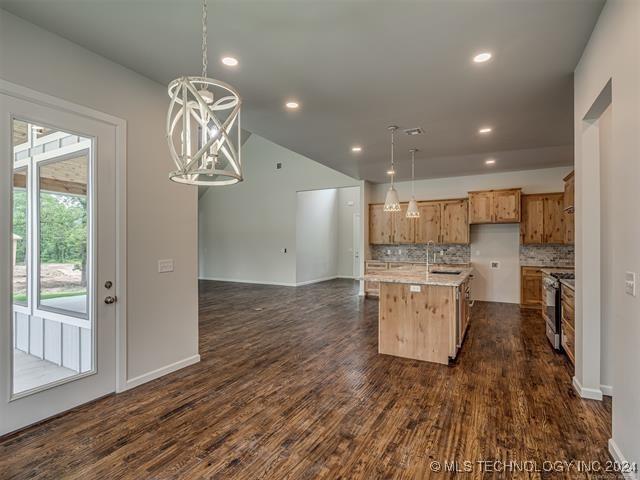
pixel 252 282
pixel 607 390
pixel 160 372
pixel 317 280
pixel 279 284
pixel 588 393
pixel 620 459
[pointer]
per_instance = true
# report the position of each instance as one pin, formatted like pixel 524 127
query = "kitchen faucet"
pixel 430 242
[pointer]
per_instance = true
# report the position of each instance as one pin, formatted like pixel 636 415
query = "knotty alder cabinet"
pixel 531 287
pixel 442 221
pixel 569 209
pixel 543 219
pixel 495 206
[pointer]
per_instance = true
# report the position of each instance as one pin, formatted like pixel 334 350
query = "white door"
pixel 356 245
pixel 57 257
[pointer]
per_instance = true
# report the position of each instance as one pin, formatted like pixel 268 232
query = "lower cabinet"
pixel 530 287
pixel 372 289
pixel 568 334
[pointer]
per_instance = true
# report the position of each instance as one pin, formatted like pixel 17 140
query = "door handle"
pixel 110 300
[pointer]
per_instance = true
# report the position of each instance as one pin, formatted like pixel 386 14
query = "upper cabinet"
pixel 569 209
pixel 569 192
pixel 380 225
pixel 495 206
pixel 542 219
pixel 403 227
pixel 455 222
pixel 428 224
pixel 442 222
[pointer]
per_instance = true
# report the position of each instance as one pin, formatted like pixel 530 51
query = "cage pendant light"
pixel 412 209
pixel 392 202
pixel 203 127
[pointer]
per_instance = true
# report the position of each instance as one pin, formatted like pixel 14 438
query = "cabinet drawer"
pixel 400 266
pixel 568 314
pixel 371 265
pixel 568 296
pixel 372 288
pixel 419 267
pixel 569 341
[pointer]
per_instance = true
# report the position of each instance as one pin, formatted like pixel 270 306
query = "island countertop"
pixel 420 278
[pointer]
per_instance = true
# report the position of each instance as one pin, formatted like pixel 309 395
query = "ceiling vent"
pixel 414 131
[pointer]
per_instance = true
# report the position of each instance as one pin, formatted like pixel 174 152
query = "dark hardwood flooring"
pixel 291 386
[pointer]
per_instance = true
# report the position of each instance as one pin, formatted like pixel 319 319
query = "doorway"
pixel 59 299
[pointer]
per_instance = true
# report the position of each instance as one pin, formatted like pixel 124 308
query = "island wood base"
pixel 417 325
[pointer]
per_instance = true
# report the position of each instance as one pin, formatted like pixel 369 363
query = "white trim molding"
pixel 160 372
pixel 620 459
pixel 607 390
pixel 587 393
pixel 265 282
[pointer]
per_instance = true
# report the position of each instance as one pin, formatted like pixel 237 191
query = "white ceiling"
pixel 358 66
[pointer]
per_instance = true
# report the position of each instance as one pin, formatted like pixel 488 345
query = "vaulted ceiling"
pixel 357 66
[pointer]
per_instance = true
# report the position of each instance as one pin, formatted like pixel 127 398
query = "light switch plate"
pixel 630 283
pixel 165 266
pixel 415 288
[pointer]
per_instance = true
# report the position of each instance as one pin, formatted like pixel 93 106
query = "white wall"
pixel 244 227
pixel 607 242
pixel 317 235
pixel 162 310
pixel 500 243
pixel 488 242
pixel 613 53
pixel 348 205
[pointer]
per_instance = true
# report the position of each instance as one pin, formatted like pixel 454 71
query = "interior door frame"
pixel 120 126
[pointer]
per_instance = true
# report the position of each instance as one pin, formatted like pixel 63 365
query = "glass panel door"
pixel 53 332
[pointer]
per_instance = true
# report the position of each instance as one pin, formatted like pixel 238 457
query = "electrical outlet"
pixel 630 283
pixel 495 264
pixel 165 266
pixel 415 288
pixel 388 251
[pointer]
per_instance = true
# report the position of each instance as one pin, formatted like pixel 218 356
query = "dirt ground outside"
pixel 54 278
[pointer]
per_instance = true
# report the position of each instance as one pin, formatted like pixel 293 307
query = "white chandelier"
pixel 392 202
pixel 412 209
pixel 203 127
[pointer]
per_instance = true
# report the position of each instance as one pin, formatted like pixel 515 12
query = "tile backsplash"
pixel 547 255
pixel 417 253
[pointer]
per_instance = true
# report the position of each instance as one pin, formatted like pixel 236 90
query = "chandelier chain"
pixel 204 38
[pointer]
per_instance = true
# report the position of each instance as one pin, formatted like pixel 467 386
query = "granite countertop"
pixel 550 270
pixel 419 278
pixel 569 283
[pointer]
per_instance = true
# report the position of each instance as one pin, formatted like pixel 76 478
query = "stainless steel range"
pixel 551 305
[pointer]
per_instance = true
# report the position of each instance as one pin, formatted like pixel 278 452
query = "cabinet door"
pixel 569 191
pixel 532 224
pixel 455 222
pixel 569 228
pixel 506 204
pixel 428 224
pixel 403 227
pixel 531 287
pixel 480 207
pixel 554 218
pixel 380 225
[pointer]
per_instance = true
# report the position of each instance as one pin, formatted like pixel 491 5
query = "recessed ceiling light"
pixel 482 57
pixel 485 130
pixel 356 149
pixel 490 161
pixel 292 105
pixel 230 61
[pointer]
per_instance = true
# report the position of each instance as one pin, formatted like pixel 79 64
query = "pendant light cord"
pixel 393 170
pixel 204 39
pixel 413 161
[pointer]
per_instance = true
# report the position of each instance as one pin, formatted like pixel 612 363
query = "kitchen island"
pixel 423 316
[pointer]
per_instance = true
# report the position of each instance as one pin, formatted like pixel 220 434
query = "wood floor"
pixel 291 386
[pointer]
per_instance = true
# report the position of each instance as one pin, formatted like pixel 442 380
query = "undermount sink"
pixel 447 272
